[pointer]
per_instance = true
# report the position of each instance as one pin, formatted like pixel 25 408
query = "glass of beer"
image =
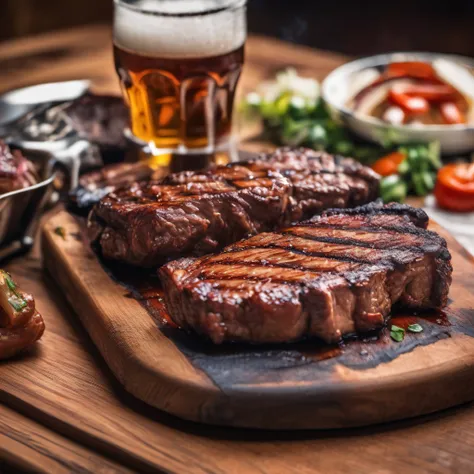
pixel 179 62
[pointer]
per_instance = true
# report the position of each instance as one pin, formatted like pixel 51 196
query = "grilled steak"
pixel 334 275
pixel 193 213
pixel 188 213
pixel 321 181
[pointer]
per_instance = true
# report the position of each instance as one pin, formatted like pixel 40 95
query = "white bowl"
pixel 336 92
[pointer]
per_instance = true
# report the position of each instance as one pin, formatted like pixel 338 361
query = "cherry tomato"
pixel 451 113
pixel 454 188
pixel 430 92
pixel 411 68
pixel 414 105
pixel 388 164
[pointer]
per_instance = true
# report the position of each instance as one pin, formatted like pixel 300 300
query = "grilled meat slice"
pixel 321 181
pixel 20 323
pixel 336 274
pixel 188 213
pixel 193 213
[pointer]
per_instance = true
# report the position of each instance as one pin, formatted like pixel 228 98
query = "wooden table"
pixel 64 412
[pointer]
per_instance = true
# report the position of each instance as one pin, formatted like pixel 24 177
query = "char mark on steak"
pixel 188 213
pixel 194 213
pixel 321 181
pixel 335 275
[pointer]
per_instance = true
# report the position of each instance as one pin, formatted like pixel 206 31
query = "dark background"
pixel 348 26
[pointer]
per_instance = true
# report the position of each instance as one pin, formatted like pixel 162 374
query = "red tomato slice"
pixel 388 164
pixel 430 92
pixel 415 105
pixel 454 188
pixel 451 113
pixel 411 68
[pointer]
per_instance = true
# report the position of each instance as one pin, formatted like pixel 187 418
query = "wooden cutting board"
pixel 297 386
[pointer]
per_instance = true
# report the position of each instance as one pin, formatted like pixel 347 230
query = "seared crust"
pixel 334 275
pixel 188 213
pixel 320 181
pixel 194 213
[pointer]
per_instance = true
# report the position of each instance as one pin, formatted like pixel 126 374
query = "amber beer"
pixel 179 62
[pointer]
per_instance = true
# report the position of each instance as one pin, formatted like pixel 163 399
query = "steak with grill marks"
pixel 188 213
pixel 321 181
pixel 194 213
pixel 337 274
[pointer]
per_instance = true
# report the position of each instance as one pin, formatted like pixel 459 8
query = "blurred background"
pixel 346 26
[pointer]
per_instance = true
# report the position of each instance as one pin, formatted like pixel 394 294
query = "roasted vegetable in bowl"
pixel 417 93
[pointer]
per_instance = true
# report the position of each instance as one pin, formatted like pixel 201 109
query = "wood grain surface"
pixel 65 385
pixel 26 445
pixel 291 387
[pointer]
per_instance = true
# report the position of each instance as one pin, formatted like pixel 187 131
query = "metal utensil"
pixel 31 119
pixel 20 211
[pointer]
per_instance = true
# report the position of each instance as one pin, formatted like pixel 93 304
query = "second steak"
pixel 334 275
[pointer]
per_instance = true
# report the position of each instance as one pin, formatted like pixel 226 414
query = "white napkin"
pixel 459 224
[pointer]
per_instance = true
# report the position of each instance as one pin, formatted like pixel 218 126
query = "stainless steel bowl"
pixel 20 211
pixel 336 91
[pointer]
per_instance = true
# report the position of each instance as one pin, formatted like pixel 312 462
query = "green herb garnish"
pixel 17 303
pixel 61 232
pixel 397 333
pixel 10 283
pixel 415 328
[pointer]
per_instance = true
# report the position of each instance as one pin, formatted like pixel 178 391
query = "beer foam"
pixel 205 28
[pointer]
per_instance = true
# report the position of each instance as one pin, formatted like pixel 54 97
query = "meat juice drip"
pixel 156 307
pixel 144 286
pixel 366 345
pixel 316 352
pixel 440 318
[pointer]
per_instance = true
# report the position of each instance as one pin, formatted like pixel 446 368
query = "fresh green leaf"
pixel 282 104
pixel 393 189
pixel 415 328
pixel 434 155
pixel 10 283
pixel 396 328
pixel 419 184
pixel 429 180
pixel 404 167
pixel 397 336
pixel 294 133
pixel 344 147
pixel 366 154
pixel 320 112
pixel 397 333
pixel 317 136
pixel 297 108
pixel 17 303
